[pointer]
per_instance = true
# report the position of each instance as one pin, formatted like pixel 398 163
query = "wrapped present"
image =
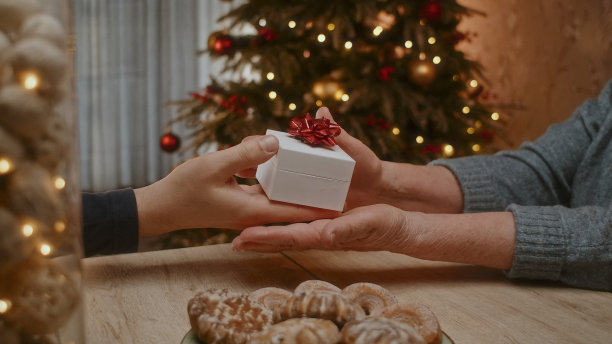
pixel 309 168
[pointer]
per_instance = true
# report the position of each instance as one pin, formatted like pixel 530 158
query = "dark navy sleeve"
pixel 110 222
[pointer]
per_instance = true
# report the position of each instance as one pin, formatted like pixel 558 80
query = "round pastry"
pixel 298 331
pixel 419 317
pixel 218 316
pixel 270 297
pixel 319 304
pixel 377 330
pixel 371 297
pixel 315 285
pixel 43 297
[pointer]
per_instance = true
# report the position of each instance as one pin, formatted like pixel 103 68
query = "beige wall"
pixel 545 55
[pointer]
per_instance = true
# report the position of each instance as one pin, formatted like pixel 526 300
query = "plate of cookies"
pixel 316 312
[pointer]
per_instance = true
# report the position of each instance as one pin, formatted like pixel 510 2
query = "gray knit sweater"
pixel 559 188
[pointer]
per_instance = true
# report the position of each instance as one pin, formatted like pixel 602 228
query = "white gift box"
pixel 316 176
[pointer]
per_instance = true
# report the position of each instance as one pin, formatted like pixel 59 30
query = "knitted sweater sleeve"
pixel 553 239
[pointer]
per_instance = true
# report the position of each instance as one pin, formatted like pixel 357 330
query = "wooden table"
pixel 142 297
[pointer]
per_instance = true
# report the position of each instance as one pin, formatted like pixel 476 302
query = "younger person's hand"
pixel 203 193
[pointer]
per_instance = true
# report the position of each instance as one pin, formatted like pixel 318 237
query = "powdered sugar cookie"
pixel 419 317
pixel 377 330
pixel 319 304
pixel 299 331
pixel 371 297
pixel 270 297
pixel 315 285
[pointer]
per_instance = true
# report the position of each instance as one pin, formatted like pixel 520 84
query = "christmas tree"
pixel 389 71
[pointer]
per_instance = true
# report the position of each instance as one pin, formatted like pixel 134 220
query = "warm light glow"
pixel 470 130
pixel 59 227
pixel 466 110
pixel 60 183
pixel 292 106
pixel 348 45
pixel 436 60
pixel 331 26
pixel 5 305
pixel 338 94
pixel 419 139
pixel 270 76
pixel 474 83
pixel 478 124
pixel 448 150
pixel 306 53
pixel 45 249
pixel 30 81
pixel 308 25
pixel 5 166
pixel 345 97
pixel 422 22
pixel 431 40
pixel 408 44
pixel 262 22
pixel 272 95
pixel 319 102
pixel 27 230
pixel 455 77
pixel 422 56
pixel 377 31
pixel 495 116
pixel 395 131
pixel 476 147
pixel 321 38
pixel 291 24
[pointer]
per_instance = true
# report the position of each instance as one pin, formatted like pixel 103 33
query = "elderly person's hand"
pixel 203 193
pixel 485 239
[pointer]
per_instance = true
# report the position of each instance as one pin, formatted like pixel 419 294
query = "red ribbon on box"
pixel 314 130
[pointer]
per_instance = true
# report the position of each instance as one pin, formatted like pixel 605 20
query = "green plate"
pixel 191 338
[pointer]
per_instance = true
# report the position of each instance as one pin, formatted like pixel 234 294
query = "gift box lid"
pixel 321 161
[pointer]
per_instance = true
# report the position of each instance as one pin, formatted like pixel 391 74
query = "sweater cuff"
pixel 476 185
pixel 540 249
pixel 125 220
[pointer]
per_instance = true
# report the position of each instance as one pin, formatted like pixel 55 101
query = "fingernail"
pixel 269 144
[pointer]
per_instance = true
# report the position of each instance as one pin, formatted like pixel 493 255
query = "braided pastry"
pixel 319 304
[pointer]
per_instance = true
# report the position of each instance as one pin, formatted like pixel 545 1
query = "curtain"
pixel 131 57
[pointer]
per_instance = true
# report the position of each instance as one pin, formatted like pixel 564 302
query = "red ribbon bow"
pixel 314 131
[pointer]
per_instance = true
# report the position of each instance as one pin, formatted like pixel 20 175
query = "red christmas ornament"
pixel 169 142
pixel 431 11
pixel 315 131
pixel 385 72
pixel 268 34
pixel 223 44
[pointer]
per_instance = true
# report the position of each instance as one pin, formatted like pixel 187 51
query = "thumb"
pixel 247 154
pixel 349 144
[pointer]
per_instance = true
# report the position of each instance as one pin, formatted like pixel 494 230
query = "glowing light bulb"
pixel 321 38
pixel 348 45
pixel 270 76
pixel 474 83
pixel 455 77
pixel 448 150
pixel 408 44
pixel 5 305
pixel 470 130
pixel 395 131
pixel 345 97
pixel 291 24
pixel 338 94
pixel 466 110
pixel 422 22
pixel 59 227
pixel 306 53
pixel 45 249
pixel 495 116
pixel 377 31
pixel 262 22
pixel 30 81
pixel 476 147
pixel 272 95
pixel 5 166
pixel 331 26
pixel 436 60
pixel 59 183
pixel 319 102
pixel 422 56
pixel 292 106
pixel 419 139
pixel 27 230
pixel 431 40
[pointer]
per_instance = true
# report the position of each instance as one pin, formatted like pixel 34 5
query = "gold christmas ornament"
pixel 326 87
pixel 14 12
pixel 45 26
pixel 422 72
